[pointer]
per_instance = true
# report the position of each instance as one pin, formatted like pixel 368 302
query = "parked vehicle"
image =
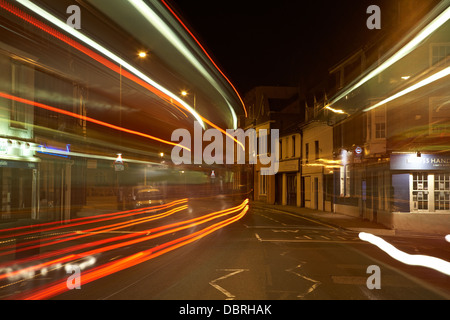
pixel 142 197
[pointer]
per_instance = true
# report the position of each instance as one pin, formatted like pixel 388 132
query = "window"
pixel 442 192
pixel 316 150
pixel 380 130
pixel 430 192
pixel 419 191
pixel 17 115
pixel 307 153
pixel 380 122
pixel 347 181
pixel 440 53
pixel 293 146
pixel 440 115
pixel 281 148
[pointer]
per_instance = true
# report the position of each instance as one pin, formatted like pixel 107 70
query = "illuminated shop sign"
pixel 59 152
pixel 11 149
pixel 422 162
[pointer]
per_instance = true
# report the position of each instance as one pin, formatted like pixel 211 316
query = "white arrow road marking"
pixel 315 284
pixel 232 273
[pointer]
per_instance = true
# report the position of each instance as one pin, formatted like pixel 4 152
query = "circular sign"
pixel 358 150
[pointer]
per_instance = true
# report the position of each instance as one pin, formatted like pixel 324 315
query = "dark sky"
pixel 280 42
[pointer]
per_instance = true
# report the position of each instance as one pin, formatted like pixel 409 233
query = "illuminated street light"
pixel 184 93
pixel 142 54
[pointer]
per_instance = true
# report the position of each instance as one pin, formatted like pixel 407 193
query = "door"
pixel 291 189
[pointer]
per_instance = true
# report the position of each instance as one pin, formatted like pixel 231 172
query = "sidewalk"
pixel 343 221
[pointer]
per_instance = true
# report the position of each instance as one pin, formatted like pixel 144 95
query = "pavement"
pixel 346 222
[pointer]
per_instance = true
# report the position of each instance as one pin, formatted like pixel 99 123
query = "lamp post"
pixel 184 94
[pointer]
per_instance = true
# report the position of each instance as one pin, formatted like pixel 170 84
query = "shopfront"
pixel 18 180
pixel 427 179
pixel 421 191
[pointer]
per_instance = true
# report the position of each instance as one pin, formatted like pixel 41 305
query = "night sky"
pixel 282 42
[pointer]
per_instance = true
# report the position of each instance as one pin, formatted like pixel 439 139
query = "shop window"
pixel 442 192
pixel 347 181
pixel 420 191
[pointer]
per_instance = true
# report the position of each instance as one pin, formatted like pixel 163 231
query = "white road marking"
pixel 315 284
pixel 225 292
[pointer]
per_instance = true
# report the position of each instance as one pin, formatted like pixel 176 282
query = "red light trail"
pixel 105 62
pixel 85 118
pixel 121 241
pixel 204 50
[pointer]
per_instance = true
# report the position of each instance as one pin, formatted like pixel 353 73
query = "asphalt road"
pixel 268 255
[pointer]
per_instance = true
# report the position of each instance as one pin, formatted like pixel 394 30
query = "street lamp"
pixel 184 93
pixel 142 54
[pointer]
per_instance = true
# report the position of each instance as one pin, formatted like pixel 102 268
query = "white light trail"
pixel 404 51
pixel 168 33
pixel 409 259
pixel 62 25
pixel 43 149
pixel 427 81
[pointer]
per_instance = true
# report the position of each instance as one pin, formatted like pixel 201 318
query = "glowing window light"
pixel 41 12
pixel 414 260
